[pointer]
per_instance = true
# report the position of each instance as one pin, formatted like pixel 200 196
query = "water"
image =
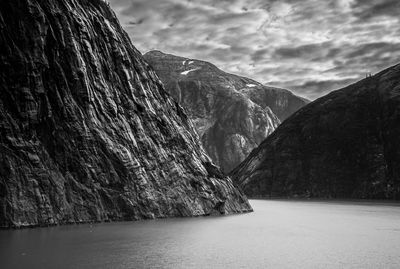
pixel 279 234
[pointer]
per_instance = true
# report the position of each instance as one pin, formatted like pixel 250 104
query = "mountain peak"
pixel 232 114
pixel 155 53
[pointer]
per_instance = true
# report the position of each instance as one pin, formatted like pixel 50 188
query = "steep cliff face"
pixel 231 114
pixel 282 102
pixel 87 131
pixel 343 145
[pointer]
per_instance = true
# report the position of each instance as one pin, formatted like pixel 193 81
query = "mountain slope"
pixel 231 114
pixel 282 102
pixel 343 145
pixel 87 132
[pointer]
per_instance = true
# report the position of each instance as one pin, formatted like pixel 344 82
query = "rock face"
pixel 343 145
pixel 282 102
pixel 87 132
pixel 232 114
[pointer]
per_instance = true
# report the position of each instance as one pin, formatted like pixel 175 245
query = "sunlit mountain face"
pixel 309 46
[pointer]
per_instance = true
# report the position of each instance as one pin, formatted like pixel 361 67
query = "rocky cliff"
pixel 231 114
pixel 87 132
pixel 343 145
pixel 282 102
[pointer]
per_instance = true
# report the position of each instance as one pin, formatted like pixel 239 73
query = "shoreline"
pixel 38 226
pixel 332 200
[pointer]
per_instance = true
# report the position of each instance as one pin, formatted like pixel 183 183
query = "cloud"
pixel 307 46
pixel 314 89
pixel 368 9
pixel 318 51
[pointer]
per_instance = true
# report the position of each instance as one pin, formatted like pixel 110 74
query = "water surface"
pixel 279 234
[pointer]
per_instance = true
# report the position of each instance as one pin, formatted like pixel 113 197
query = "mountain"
pixel 232 114
pixel 87 132
pixel 343 145
pixel 282 102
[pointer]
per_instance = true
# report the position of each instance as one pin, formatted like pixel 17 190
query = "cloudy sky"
pixel 308 46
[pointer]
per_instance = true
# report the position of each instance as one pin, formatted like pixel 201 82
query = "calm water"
pixel 279 234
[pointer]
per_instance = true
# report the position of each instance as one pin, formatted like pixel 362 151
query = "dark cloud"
pixel 260 54
pixel 308 51
pixel 367 9
pixel 374 49
pixel 309 46
pixel 140 21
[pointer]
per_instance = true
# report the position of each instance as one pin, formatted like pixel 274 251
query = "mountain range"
pixel 92 130
pixel 232 114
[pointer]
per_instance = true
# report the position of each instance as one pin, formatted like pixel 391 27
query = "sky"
pixel 308 46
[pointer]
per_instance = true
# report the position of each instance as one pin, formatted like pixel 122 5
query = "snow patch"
pixel 190 62
pixel 188 71
pixel 251 85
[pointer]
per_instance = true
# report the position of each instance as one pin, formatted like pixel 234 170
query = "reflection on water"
pixel 279 234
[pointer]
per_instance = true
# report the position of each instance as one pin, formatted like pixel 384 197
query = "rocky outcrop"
pixel 232 114
pixel 282 102
pixel 87 132
pixel 343 145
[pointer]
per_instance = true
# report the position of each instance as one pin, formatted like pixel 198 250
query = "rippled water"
pixel 279 234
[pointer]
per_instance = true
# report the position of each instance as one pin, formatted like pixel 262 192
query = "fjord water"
pixel 279 234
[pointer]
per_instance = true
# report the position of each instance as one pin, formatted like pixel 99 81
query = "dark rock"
pixel 229 115
pixel 87 132
pixel 343 145
pixel 213 170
